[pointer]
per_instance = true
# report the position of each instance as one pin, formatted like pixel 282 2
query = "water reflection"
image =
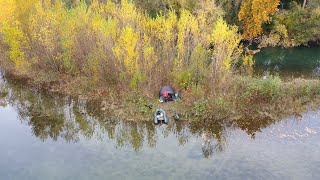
pixel 56 117
pixel 294 62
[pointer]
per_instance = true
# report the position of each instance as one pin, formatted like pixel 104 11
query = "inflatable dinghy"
pixel 160 117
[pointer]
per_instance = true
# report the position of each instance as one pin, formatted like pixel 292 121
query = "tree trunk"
pixel 304 4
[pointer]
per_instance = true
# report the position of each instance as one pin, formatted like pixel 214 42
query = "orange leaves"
pixel 253 13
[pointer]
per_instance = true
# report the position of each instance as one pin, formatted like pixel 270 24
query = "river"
pixel 288 63
pixel 50 136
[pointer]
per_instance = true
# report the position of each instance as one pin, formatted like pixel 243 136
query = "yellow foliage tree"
pixel 45 24
pixel 226 41
pixel 162 30
pixel 199 64
pixel 149 56
pixel 71 26
pixel 23 11
pixel 8 9
pixel 253 13
pixel 187 28
pixel 12 35
pixel 247 64
pixel 45 28
pixel 15 39
pixel 126 52
pixel 99 41
pixel 128 13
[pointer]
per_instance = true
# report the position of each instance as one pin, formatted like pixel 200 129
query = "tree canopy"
pixel 253 13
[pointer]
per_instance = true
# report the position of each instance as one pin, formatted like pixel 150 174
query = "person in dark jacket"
pixel 167 94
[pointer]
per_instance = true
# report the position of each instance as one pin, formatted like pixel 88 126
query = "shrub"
pixel 262 89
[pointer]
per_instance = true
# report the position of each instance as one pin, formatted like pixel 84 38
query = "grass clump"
pixel 257 98
pixel 257 89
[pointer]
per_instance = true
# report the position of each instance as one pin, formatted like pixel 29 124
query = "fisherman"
pixel 167 94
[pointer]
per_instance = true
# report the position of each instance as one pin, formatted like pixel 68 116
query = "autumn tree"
pixel 226 42
pixel 199 66
pixel 253 13
pixel 24 9
pixel 127 55
pixel 115 42
pixel 8 7
pixel 12 35
pixel 44 33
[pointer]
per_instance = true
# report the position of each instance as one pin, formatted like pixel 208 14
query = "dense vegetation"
pixel 116 44
pixel 296 25
pixel 103 47
pixel 275 22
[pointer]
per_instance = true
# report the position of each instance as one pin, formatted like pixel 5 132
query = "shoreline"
pixel 259 100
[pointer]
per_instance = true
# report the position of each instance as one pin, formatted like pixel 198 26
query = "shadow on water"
pixel 55 117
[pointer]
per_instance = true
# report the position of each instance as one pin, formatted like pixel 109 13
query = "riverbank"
pixel 245 100
pixel 60 146
pixel 119 56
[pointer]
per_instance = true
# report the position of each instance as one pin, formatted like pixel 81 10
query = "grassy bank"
pixel 246 99
pixel 251 99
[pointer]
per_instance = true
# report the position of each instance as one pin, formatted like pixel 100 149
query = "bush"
pixel 220 108
pixel 200 107
pixel 262 89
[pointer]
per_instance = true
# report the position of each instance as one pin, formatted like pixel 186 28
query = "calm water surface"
pixel 46 136
pixel 293 62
